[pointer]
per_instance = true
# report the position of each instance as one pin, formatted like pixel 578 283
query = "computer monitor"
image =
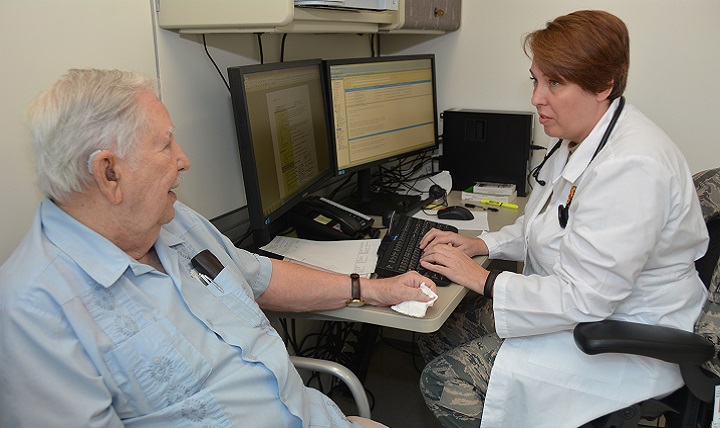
pixel 283 136
pixel 382 109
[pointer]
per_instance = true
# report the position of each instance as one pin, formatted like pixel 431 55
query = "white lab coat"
pixel 634 231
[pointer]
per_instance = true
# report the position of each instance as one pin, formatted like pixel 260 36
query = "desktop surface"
pixel 448 297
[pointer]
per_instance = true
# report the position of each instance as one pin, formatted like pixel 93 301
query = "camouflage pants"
pixel 460 356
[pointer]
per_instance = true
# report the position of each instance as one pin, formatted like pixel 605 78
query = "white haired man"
pixel 104 322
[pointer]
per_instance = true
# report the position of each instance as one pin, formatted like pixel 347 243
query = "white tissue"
pixel 416 308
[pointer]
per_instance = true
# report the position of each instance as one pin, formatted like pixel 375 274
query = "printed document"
pixel 358 255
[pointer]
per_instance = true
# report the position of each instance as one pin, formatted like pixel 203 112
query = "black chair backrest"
pixel 707 184
pixel 709 262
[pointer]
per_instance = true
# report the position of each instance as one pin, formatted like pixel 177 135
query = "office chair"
pixel 343 373
pixel 696 353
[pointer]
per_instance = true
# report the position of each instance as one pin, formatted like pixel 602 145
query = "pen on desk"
pixel 499 204
pixel 488 208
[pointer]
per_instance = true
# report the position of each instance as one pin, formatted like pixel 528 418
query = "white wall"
pixel 39 41
pixel 674 58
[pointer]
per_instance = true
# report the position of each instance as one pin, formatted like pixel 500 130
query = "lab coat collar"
pixel 579 161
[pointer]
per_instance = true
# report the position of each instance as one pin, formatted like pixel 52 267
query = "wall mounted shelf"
pixel 282 16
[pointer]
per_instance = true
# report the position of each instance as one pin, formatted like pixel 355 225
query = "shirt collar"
pixel 83 245
pixel 86 247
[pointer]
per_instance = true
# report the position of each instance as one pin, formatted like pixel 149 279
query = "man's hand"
pixel 391 291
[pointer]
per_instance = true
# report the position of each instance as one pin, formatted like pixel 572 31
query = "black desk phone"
pixel 325 220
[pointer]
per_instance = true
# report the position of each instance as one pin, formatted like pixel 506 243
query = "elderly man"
pixel 104 321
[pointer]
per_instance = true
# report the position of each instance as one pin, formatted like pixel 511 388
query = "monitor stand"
pixel 380 204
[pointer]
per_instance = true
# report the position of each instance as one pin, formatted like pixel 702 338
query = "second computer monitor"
pixel 382 108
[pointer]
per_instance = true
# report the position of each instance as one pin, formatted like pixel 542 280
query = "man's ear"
pixel 104 169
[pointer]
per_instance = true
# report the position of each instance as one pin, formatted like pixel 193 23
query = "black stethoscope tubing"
pixel 564 210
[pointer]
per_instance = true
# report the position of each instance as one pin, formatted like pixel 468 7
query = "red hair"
pixel 590 48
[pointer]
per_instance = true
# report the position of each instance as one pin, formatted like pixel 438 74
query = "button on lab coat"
pixel 627 253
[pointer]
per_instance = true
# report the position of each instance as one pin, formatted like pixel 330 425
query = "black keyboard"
pixel 400 252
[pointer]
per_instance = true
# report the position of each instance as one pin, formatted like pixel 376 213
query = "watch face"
pixel 355 303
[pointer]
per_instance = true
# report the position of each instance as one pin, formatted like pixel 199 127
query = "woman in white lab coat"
pixel 611 230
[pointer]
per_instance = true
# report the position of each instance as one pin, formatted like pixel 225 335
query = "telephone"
pixel 324 220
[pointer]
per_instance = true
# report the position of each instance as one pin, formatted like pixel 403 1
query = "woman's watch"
pixel 356 300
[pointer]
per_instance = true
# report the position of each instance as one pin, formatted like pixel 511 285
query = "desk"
pixel 448 297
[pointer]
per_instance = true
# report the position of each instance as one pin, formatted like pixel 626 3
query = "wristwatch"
pixel 356 300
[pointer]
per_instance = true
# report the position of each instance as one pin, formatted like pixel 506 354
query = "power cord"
pixel 227 85
pixel 260 47
pixel 282 47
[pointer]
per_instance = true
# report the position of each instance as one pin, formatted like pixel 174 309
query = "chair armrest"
pixel 688 350
pixel 663 343
pixel 343 373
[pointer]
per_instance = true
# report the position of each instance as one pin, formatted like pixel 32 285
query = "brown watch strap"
pixel 355 284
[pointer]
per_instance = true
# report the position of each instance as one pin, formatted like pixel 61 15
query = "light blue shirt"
pixel 90 337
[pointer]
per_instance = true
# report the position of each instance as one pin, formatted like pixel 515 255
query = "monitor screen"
pixel 382 108
pixel 283 137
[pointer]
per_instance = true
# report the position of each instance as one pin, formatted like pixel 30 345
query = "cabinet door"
pixel 427 15
pixel 224 14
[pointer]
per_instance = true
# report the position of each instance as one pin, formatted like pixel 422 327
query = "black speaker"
pixel 487 146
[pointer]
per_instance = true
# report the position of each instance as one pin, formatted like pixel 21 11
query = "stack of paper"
pixel 498 192
pixel 503 189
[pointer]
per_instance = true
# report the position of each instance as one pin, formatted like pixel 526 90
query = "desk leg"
pixel 363 354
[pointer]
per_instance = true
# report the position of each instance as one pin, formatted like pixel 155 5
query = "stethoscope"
pixel 564 210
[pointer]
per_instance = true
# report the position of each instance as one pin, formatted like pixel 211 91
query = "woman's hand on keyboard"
pixel 470 246
pixel 450 261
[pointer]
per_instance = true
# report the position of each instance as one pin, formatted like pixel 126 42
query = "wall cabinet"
pixel 426 16
pixel 281 16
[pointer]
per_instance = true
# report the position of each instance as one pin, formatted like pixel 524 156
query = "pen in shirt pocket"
pixel 208 267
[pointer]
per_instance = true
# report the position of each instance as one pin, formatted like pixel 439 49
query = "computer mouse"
pixel 455 212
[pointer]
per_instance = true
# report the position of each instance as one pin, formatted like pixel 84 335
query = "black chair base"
pixel 630 417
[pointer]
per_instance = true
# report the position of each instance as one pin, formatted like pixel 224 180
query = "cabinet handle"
pixel 439 12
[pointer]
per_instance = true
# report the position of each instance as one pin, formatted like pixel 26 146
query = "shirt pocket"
pixel 236 295
pixel 155 368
